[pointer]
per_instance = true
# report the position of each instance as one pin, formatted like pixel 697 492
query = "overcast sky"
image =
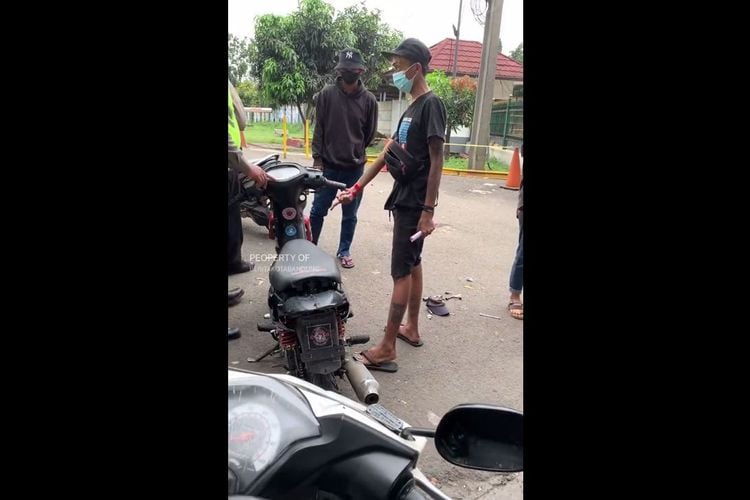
pixel 427 20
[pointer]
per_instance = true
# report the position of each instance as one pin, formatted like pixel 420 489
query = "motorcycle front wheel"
pixel 257 212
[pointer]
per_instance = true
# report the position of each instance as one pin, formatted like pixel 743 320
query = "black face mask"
pixel 349 77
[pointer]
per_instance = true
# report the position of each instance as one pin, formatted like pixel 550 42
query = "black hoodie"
pixel 345 124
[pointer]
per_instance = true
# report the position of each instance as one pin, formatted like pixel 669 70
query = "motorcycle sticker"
pixel 289 213
pixel 319 335
pixel 290 230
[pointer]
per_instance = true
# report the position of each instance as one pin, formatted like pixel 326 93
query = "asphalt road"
pixel 466 358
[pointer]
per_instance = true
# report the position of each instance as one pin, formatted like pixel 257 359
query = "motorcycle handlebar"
pixel 312 180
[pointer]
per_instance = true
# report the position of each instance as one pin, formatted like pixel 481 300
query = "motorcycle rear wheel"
pixel 325 381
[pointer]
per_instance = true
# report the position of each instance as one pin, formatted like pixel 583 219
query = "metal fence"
pixel 506 120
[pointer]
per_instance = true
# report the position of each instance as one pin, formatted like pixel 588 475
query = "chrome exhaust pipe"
pixel 362 381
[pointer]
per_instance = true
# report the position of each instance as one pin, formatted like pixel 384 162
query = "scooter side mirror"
pixel 482 437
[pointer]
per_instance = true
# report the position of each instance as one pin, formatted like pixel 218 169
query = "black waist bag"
pixel 401 164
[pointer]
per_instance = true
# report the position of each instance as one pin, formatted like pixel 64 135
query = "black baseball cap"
pixel 350 59
pixel 413 50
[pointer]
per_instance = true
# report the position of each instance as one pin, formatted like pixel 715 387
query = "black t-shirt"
pixel 423 119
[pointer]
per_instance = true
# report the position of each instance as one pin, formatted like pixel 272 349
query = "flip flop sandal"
pixel 346 261
pixel 385 366
pixel 410 342
pixel 514 308
pixel 407 339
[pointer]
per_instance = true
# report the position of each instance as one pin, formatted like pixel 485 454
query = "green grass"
pixel 463 163
pixel 263 132
pixel 452 162
pixel 376 148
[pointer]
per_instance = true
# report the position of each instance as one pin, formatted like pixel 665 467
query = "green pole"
pixel 505 127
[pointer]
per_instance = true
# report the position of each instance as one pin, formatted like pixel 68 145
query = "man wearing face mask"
pixel 419 142
pixel 345 124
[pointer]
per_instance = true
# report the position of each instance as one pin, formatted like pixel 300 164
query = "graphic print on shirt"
pixel 404 129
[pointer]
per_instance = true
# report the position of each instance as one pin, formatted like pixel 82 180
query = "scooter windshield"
pixel 265 417
pixel 283 173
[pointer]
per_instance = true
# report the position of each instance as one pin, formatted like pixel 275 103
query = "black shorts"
pixel 405 255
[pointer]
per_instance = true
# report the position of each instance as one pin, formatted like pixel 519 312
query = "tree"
pixel 372 37
pixel 239 59
pixel 248 92
pixel 458 96
pixel 518 53
pixel 293 56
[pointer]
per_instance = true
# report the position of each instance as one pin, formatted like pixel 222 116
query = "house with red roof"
pixel 508 72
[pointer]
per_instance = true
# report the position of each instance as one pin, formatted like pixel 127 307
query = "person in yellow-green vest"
pixel 237 164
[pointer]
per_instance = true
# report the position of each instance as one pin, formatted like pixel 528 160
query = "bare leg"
pixel 385 350
pixel 411 328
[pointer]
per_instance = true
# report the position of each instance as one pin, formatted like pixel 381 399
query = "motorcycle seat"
pixel 301 260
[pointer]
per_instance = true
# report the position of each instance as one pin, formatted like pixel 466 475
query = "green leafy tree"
pixel 371 38
pixel 517 54
pixel 248 92
pixel 293 56
pixel 458 95
pixel 239 59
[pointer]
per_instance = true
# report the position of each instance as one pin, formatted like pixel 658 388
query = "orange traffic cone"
pixel 514 173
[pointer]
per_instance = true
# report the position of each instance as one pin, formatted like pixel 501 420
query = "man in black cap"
pixel 421 134
pixel 346 120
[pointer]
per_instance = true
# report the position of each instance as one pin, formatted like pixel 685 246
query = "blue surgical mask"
pixel 401 82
